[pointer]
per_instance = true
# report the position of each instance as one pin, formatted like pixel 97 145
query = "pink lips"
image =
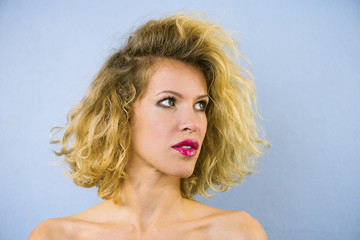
pixel 187 147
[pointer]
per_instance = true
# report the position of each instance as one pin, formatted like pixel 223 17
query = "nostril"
pixel 188 121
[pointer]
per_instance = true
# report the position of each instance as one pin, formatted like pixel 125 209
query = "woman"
pixel 167 117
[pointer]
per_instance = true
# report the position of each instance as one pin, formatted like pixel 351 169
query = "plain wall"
pixel 305 58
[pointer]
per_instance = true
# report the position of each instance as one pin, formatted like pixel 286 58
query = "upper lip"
pixel 188 142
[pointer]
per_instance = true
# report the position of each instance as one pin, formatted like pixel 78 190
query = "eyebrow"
pixel 180 96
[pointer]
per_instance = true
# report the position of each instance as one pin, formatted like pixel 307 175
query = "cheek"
pixel 152 130
pixel 204 123
pixel 162 128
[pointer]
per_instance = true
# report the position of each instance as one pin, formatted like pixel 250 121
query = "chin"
pixel 180 169
pixel 185 173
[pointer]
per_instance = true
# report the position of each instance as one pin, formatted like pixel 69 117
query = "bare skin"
pixel 151 205
pixel 109 221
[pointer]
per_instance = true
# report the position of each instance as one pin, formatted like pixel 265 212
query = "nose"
pixel 189 121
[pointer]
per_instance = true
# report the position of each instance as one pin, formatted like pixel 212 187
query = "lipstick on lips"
pixel 187 147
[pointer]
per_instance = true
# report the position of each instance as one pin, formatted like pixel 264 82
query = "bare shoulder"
pixel 55 228
pixel 228 224
pixel 44 231
pixel 80 225
pixel 240 225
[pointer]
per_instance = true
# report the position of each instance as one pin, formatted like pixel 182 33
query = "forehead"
pixel 174 75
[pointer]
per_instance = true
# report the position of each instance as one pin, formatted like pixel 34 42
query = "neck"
pixel 151 198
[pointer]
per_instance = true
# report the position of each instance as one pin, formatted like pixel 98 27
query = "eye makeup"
pixel 170 101
pixel 202 105
pixel 166 102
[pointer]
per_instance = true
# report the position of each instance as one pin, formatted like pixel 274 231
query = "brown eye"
pixel 201 106
pixel 167 102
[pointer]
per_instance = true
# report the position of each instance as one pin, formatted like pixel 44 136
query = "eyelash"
pixel 174 100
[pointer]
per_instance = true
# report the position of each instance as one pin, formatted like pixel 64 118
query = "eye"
pixel 201 106
pixel 167 102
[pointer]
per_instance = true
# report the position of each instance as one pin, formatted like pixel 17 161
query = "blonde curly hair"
pixel 97 136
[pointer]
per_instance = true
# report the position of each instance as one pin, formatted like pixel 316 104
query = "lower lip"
pixel 186 152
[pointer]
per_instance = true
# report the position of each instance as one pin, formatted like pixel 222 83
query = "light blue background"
pixel 305 57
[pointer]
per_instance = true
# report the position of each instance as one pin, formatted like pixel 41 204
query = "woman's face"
pixel 169 122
